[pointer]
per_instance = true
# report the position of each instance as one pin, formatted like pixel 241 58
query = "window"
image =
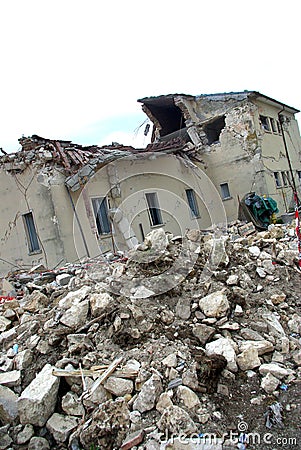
pixel 225 191
pixel 277 179
pixel 279 127
pixel 192 202
pixel 273 125
pixel 153 209
pixel 31 233
pixel 100 208
pixel 299 177
pixel 214 129
pixel 265 123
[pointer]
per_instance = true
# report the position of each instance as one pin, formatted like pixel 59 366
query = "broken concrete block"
pixel 8 405
pixel 37 401
pixel 63 279
pixel 76 316
pixel 38 443
pixel 100 303
pixel 35 301
pixel 261 346
pixel 74 297
pixel 215 304
pixel 119 386
pixel 149 394
pixel 10 379
pixel 254 251
pixel 60 426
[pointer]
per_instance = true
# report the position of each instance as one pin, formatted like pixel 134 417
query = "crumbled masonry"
pixel 84 365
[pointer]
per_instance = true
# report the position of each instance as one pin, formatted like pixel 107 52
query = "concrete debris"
pixel 84 365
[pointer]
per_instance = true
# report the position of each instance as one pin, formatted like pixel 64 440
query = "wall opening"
pixel 214 129
pixel 154 209
pixel 31 233
pixel 100 209
pixel 192 202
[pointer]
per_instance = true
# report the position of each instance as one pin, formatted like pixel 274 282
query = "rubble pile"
pixel 189 335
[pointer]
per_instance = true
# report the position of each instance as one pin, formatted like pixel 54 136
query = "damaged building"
pixel 61 202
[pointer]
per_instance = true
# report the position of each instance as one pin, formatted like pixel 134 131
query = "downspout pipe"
pixel 78 223
pixel 280 117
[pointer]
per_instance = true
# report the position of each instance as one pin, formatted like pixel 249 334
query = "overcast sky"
pixel 75 69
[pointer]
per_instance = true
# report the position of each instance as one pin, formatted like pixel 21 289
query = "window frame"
pixel 228 191
pixel 192 203
pixel 265 123
pixel 103 226
pixel 277 179
pixel 32 237
pixel 154 212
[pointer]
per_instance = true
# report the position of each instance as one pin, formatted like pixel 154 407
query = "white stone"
pixel 60 426
pixel 263 346
pixel 294 324
pixel 269 383
pixel 275 369
pixel 63 279
pixel 157 239
pixel 149 394
pixel 74 297
pixel 232 280
pixel 23 359
pixel 37 401
pixel 71 405
pixel 142 292
pixel 225 347
pixel 261 272
pixel 170 360
pixel 274 326
pixel 163 402
pixel 215 304
pixel 176 420
pixel 254 251
pixel 10 379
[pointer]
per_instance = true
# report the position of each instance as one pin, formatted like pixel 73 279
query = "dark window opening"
pixel 31 233
pixel 277 179
pixel 214 129
pixel 169 116
pixel 265 123
pixel 192 202
pixel 279 127
pixel 225 191
pixel 154 209
pixel 100 208
pixel 273 125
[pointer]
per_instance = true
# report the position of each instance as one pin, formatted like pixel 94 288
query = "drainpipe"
pixel 78 223
pixel 280 117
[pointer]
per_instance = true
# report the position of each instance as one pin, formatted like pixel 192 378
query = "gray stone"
pixel 183 309
pixel 99 396
pixel 23 359
pixel 8 405
pixel 60 426
pixel 100 303
pixel 149 394
pixel 76 316
pixel 72 298
pixel 71 405
pixel 170 360
pixel 274 326
pixel 163 402
pixel 261 346
pixel 38 443
pixel 294 324
pixel 37 401
pixel 63 279
pixel 276 370
pixel 5 439
pixel 203 332
pixel 25 435
pixel 251 335
pixel 4 323
pixel 215 304
pixel 119 386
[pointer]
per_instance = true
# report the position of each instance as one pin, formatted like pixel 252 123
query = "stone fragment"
pixel 149 394
pixel 4 323
pixel 71 405
pixel 274 326
pixel 167 316
pixel 8 405
pixel 163 402
pixel 251 335
pixel 37 401
pixel 215 304
pixel 119 386
pixel 132 440
pixel 10 379
pixel 170 360
pixel 232 280
pixel 274 369
pixel 254 251
pixel 261 272
pixel 60 426
pixel 278 298
pixel 142 292
pixel 294 324
pixel 5 439
pixel 76 316
pixel 35 301
pixel 38 443
pixel 269 383
pixel 183 309
pixel 224 347
pixel 248 359
pixel 100 303
pixel 263 346
pixel 63 279
pixel 23 359
pixel 203 332
pixel 187 397
pixel 99 396
pixel 74 297
pixel 238 311
pixel 25 435
pixel 176 420
pixel 222 389
pixel 157 240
